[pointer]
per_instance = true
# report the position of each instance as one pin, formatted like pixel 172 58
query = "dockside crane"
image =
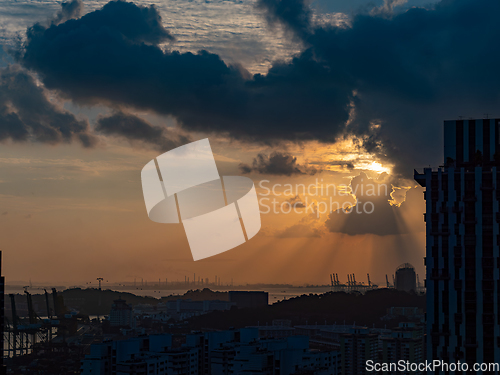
pixel 56 302
pixel 31 311
pixel 15 324
pixel 15 319
pixel 49 315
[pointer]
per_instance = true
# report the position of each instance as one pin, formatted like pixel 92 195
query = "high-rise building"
pixel 210 353
pixel 3 369
pixel 121 314
pixel 405 343
pixel 462 247
pixel 144 355
pixel 357 347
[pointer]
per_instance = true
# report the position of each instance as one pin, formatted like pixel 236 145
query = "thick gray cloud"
pixel 106 57
pixel 26 114
pixel 69 9
pixel 409 71
pixel 294 14
pixel 136 129
pixel 373 214
pixel 278 164
pixel 357 6
pixel 387 8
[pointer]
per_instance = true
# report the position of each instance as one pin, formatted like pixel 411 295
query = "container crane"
pixel 49 315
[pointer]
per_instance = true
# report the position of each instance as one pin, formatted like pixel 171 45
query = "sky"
pixel 349 94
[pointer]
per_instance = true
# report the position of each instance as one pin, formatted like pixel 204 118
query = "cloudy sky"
pixel 349 93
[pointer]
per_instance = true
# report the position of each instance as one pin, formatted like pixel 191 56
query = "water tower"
pixel 406 278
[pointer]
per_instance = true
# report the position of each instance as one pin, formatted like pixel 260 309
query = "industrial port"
pixel 59 331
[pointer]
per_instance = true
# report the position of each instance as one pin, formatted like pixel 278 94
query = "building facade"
pixel 138 355
pixel 405 343
pixel 3 369
pixel 357 347
pixel 462 246
pixel 121 314
pixel 210 353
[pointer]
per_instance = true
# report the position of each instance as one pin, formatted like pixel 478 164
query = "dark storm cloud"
pixel 278 164
pixel 26 114
pixel 140 24
pixel 293 14
pixel 135 129
pixel 409 71
pixel 321 165
pixel 104 57
pixel 387 8
pixel 413 70
pixel 69 9
pixel 373 214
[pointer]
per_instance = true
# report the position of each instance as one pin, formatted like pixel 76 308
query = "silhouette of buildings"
pixel 184 309
pixel 406 278
pixel 462 246
pixel 217 353
pixel 279 328
pixel 404 343
pixel 139 355
pixel 357 347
